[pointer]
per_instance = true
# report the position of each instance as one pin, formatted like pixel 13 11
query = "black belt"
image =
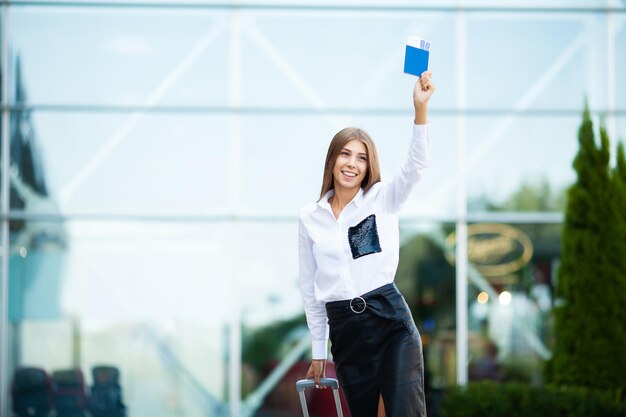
pixel 358 305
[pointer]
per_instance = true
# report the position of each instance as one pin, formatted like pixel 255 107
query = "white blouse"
pixel 346 257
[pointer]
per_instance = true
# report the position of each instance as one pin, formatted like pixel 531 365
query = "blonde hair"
pixel 338 142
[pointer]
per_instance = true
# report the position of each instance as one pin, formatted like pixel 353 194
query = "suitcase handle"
pixel 309 383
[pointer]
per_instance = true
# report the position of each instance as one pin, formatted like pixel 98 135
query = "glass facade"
pixel 155 155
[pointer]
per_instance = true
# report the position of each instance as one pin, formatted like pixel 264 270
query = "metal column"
pixel 4 207
pixel 461 204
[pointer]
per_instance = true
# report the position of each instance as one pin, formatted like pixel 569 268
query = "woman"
pixel 349 247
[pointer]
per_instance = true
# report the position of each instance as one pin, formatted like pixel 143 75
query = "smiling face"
pixel 351 151
pixel 351 165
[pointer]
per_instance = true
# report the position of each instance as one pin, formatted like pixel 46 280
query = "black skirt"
pixel 377 350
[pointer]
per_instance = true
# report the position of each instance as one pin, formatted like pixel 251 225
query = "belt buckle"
pixel 357 311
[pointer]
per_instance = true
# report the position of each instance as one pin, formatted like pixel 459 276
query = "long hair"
pixel 337 144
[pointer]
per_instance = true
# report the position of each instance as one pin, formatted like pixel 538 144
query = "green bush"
pixel 590 345
pixel 488 399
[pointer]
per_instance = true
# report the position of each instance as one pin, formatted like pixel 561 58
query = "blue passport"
pixel 416 56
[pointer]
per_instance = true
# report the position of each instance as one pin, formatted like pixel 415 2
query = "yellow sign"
pixel 494 249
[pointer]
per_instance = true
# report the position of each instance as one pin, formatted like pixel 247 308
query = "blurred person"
pixel 486 365
pixel 348 255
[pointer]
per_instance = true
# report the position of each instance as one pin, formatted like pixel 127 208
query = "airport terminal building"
pixel 155 155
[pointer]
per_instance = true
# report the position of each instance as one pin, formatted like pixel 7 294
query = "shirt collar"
pixel 357 200
pixel 323 202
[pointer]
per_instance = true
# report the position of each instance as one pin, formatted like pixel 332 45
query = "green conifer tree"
pixel 590 322
pixel 619 260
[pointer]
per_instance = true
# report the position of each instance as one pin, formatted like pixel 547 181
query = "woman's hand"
pixel 316 371
pixel 423 90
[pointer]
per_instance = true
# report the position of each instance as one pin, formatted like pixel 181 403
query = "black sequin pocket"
pixel 363 238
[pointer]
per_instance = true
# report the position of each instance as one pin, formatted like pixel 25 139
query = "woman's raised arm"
pixel 397 190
